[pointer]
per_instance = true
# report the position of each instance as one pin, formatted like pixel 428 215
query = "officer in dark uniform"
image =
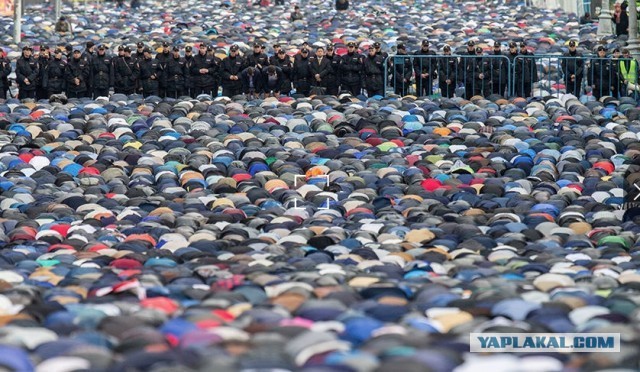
pixel 188 62
pixel 139 54
pixel 27 71
pixel 54 74
pixel 479 76
pixel 499 71
pixel 175 74
pixel 126 72
pixel 448 73
pixel 101 73
pixel 373 70
pixel 573 69
pixel 302 73
pixel 163 58
pixel 257 59
pixel 5 71
pixel 150 74
pixel 120 52
pixel 379 51
pixel 331 80
pixel 204 72
pixel 43 60
pixel 87 56
pixel 526 73
pixel 114 62
pixel 465 65
pixel 601 74
pixel 401 71
pixel 283 62
pixel 512 54
pixel 320 68
pixel 68 51
pixel 350 73
pixel 276 49
pixel 425 70
pixel 232 66
pixel 89 52
pixel 77 76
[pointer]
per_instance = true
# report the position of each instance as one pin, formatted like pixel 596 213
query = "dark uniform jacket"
pixel 301 73
pixel 102 72
pixel 351 65
pixel 5 71
pixel 175 74
pixel 150 74
pixel 448 70
pixel 232 66
pixel 27 68
pixel 54 76
pixel 254 60
pixel 77 68
pixel 374 72
pixel 204 80
pixel 286 66
pixel 126 73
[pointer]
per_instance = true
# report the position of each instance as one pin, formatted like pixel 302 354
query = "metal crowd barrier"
pixel 556 74
pixel 522 76
pixel 448 75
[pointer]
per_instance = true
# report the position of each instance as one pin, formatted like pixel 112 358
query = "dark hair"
pixel 271 70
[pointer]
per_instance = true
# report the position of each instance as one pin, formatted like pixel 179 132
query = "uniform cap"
pixel 140 45
pixel 572 43
pixel 188 48
pixel 234 48
pixel 471 43
pixel 376 45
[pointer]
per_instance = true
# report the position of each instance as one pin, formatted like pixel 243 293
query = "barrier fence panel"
pixel 523 76
pixel 446 75
pixel 576 75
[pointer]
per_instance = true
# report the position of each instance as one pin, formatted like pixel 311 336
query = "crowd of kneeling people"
pixel 93 72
